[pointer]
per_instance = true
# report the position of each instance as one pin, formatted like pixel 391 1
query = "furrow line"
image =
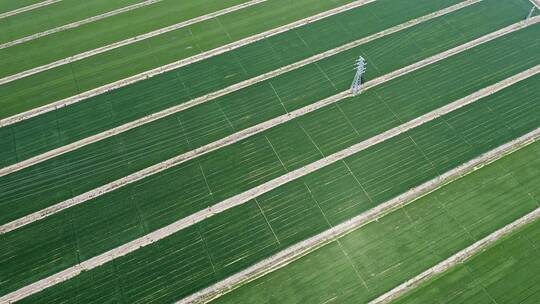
pixel 288 255
pixel 285 257
pixel 73 25
pixel 457 258
pixel 159 70
pixel 118 44
pixel 27 8
pixel 238 86
pixel 241 198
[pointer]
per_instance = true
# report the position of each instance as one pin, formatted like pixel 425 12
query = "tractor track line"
pixel 239 199
pixel 159 70
pixel 211 96
pixel 74 25
pixel 288 255
pixel 27 8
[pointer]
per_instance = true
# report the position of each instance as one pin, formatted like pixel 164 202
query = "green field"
pixel 373 259
pixel 229 170
pixel 225 240
pixel 68 80
pixel 90 36
pixel 55 15
pixel 506 273
pixel 54 129
pixel 382 172
pixel 217 247
pixel 9 5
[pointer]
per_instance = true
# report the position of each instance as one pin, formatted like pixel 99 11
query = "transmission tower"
pixel 360 70
pixel 531 13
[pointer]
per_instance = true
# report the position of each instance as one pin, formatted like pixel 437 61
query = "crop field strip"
pixel 459 257
pixel 62 16
pixel 299 249
pixel 77 51
pixel 505 272
pixel 295 211
pixel 234 257
pixel 130 35
pixel 11 197
pixel 87 37
pixel 205 98
pixel 415 237
pixel 152 101
pixel 185 174
pixel 13 8
pixel 27 195
pixel 118 44
pixel 28 93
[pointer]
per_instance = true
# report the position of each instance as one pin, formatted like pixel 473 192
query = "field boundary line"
pixel 27 8
pixel 75 25
pixel 238 86
pixel 117 44
pixel 290 254
pixel 458 258
pixel 174 161
pixel 536 3
pixel 168 67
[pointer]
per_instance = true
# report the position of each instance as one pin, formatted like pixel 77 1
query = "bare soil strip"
pixel 27 8
pixel 123 82
pixel 290 254
pixel 211 96
pixel 116 44
pixel 76 24
pixel 256 191
pixel 457 258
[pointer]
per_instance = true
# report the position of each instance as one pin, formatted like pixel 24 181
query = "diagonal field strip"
pixel 78 23
pixel 285 255
pixel 536 3
pixel 283 258
pixel 159 70
pixel 238 86
pixel 116 44
pixel 273 122
pixel 457 258
pixel 27 8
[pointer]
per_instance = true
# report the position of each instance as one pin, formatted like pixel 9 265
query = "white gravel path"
pixel 27 8
pixel 211 96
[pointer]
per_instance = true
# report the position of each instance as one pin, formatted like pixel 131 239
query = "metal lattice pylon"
pixel 531 13
pixel 356 86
